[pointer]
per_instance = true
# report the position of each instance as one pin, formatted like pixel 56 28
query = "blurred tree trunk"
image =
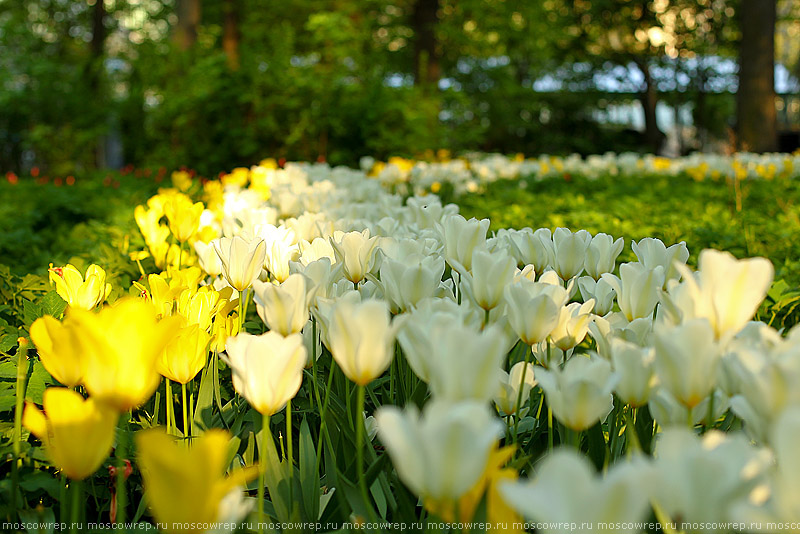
pixel 757 127
pixel 188 20
pixel 230 33
pixel 96 71
pixel 424 19
pixel 653 136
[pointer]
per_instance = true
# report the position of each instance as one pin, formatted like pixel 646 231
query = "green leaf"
pixel 7 342
pixel 43 518
pixel 203 414
pixel 309 478
pixel 30 311
pixel 53 304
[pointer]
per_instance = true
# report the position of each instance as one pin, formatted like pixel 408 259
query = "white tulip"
pixel 533 309
pixel 567 494
pixel 572 325
pixel 404 284
pixel 638 289
pixel 570 251
pixel 460 238
pixel 633 366
pixel 208 258
pixel 509 392
pixel 653 253
pixel 284 307
pixel 442 453
pixel 601 255
pixel 600 290
pixel 491 273
pixel 466 363
pixel 724 290
pixel 580 393
pixel 361 339
pixel 687 358
pixel 267 369
pixel 242 259
pixel 697 479
pixel 356 253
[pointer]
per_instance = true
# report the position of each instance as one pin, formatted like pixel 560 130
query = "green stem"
pixel 360 438
pixel 22 373
pixel 121 454
pixel 242 296
pixel 246 299
pixel 63 512
pixel 168 405
pixel 518 406
pixel 347 402
pixel 575 439
pixel 549 428
pixel 689 418
pixel 629 425
pixel 290 452
pixel 663 518
pixel 323 427
pixel 315 398
pixel 191 413
pixel 710 413
pixel 186 431
pixel 262 469
pixel 77 496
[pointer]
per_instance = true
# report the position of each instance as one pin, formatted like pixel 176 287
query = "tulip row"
pixel 472 172
pixel 413 368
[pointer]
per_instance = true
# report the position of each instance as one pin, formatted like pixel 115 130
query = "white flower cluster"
pixel 472 172
pixel 333 244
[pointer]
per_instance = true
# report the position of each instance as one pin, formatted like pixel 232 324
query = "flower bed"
pixel 304 347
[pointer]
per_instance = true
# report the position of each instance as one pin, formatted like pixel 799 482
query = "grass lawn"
pixel 704 214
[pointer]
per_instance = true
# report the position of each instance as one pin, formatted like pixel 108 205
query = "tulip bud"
pixel 601 255
pixel 284 307
pixel 241 259
pixel 570 251
pixel 77 433
pixel 461 237
pixel 687 358
pixel 580 393
pixel 361 338
pixel 267 369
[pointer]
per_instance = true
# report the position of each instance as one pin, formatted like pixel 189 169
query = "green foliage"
pixel 335 80
pixel 670 208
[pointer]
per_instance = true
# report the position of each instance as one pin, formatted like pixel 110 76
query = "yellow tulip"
pixel 186 485
pixel 225 326
pixel 58 349
pixel 185 355
pixel 183 216
pixel 121 345
pixel 77 433
pixel 155 234
pixel 182 180
pixel 201 306
pixel 79 292
pixel 163 293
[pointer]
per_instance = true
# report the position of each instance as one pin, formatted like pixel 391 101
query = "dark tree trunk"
pixel 96 71
pixel 424 19
pixel 653 136
pixel 188 21
pixel 757 127
pixel 230 33
pixel 98 30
